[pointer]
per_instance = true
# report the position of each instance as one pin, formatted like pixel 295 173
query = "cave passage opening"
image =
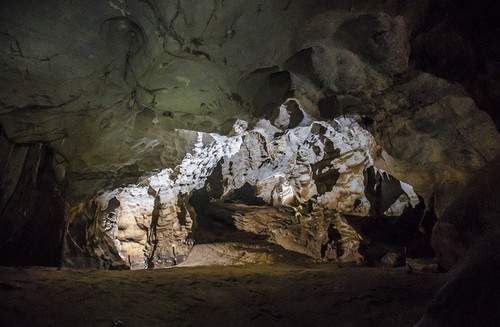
pixel 311 190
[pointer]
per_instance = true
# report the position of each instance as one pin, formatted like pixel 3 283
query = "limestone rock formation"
pixel 392 259
pixel 233 254
pixel 284 165
pixel 322 235
pixel 149 224
pixel 432 134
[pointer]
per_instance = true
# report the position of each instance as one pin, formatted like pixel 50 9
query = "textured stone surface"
pixel 471 295
pixel 315 164
pixel 301 117
pixel 86 243
pixel 472 216
pixel 322 235
pixel 392 259
pixel 459 43
pixel 157 66
pixel 437 140
pixel 238 254
pixel 320 160
pixel 149 224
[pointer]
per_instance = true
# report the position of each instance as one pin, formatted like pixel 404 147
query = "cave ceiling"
pixel 109 84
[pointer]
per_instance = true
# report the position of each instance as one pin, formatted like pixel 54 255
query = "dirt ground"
pixel 250 295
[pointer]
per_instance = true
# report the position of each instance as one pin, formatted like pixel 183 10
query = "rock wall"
pixel 433 134
pixel 472 216
pixel 459 43
pixel 150 223
pixel 471 295
pixel 322 234
pixel 287 165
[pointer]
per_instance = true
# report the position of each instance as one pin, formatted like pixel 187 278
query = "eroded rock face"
pixel 108 112
pixel 284 165
pixel 462 47
pixel 432 134
pixel 149 224
pixel 227 254
pixel 321 235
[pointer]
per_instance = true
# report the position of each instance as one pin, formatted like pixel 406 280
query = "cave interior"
pixel 248 163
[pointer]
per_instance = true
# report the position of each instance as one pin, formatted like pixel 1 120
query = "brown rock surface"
pixel 322 235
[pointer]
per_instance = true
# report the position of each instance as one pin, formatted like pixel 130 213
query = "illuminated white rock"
pixel 397 208
pixel 154 220
pixel 268 157
pixel 412 196
pixel 287 167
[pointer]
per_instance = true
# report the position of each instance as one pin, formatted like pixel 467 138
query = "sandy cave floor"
pixel 251 295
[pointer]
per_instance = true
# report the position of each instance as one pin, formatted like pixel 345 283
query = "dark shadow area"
pixel 408 235
pixel 400 235
pixel 245 195
pixel 365 36
pixel 330 107
pixel 460 41
pixel 301 64
pixel 250 295
pixel 32 212
pixel 213 226
pixel 274 90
